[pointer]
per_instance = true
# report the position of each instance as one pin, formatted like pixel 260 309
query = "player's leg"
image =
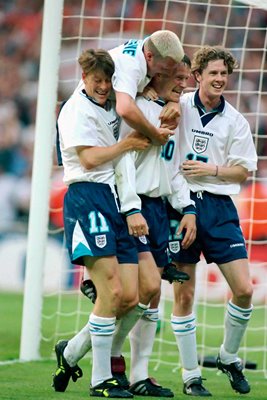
pixel 237 317
pixel 143 333
pixel 228 250
pixel 106 277
pixel 148 284
pixel 105 274
pixel 142 340
pixel 183 324
pixel 131 311
pixel 100 254
pixel 183 319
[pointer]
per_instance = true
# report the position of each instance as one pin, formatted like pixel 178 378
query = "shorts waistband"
pixel 201 193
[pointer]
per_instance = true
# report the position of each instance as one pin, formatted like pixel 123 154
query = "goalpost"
pixel 239 26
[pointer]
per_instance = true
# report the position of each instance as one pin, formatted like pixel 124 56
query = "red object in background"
pixel 56 205
pixel 252 208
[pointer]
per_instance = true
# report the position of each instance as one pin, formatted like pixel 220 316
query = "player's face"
pixel 161 66
pixel 170 89
pixel 213 80
pixel 98 86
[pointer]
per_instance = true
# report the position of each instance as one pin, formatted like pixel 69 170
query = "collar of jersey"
pixel 199 105
pixel 106 106
pixel 160 102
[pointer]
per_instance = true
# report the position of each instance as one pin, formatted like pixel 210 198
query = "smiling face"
pixel 171 88
pixel 97 85
pixel 212 82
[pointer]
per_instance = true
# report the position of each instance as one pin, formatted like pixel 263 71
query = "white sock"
pixel 86 275
pixel 236 321
pixel 102 330
pixel 78 346
pixel 142 339
pixel 123 327
pixel 184 329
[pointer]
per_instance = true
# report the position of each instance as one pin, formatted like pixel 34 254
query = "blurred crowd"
pixel 20 39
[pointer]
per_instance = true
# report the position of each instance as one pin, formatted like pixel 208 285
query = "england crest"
pixel 174 246
pixel 200 144
pixel 101 241
pixel 143 239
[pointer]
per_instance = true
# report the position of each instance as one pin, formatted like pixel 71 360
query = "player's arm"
pixel 93 156
pixel 130 202
pixel 234 173
pixel 128 110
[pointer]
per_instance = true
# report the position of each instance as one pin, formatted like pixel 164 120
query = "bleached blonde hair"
pixel 164 43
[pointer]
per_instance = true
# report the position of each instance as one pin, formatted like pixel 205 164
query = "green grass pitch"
pixel 32 380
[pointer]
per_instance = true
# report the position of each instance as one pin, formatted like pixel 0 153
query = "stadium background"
pixel 20 36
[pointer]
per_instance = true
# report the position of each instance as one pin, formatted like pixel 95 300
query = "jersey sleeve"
pixel 126 78
pixel 125 176
pixel 241 147
pixel 180 196
pixel 77 125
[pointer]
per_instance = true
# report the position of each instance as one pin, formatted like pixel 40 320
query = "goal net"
pixel 240 26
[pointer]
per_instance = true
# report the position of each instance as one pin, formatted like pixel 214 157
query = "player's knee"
pixel 128 301
pixel 116 297
pixel 244 294
pixel 185 298
pixel 149 290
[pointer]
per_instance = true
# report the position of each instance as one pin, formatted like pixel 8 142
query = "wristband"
pixel 189 210
pixel 132 211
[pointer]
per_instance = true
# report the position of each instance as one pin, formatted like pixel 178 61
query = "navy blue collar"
pixel 106 106
pixel 198 103
pixel 160 102
pixel 207 116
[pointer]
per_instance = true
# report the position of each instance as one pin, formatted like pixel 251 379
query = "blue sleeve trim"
pixel 189 210
pixel 132 211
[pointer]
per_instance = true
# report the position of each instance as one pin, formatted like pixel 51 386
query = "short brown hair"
pixel 91 60
pixel 205 54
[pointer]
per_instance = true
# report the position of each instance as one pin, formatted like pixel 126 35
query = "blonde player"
pixel 217 153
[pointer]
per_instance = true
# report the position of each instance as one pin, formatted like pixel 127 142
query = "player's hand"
pixel 170 111
pixel 137 225
pixel 150 93
pixel 171 124
pixel 188 225
pixel 163 136
pixel 192 168
pixel 137 141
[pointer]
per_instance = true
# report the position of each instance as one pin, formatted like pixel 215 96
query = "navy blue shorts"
pixel 219 236
pixel 155 213
pixel 94 226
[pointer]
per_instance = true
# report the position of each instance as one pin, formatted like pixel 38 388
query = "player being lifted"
pixel 136 62
pixel 217 151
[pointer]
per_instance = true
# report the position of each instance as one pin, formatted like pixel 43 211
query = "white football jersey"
pixel 82 122
pixel 154 171
pixel 224 140
pixel 130 68
pixel 130 74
